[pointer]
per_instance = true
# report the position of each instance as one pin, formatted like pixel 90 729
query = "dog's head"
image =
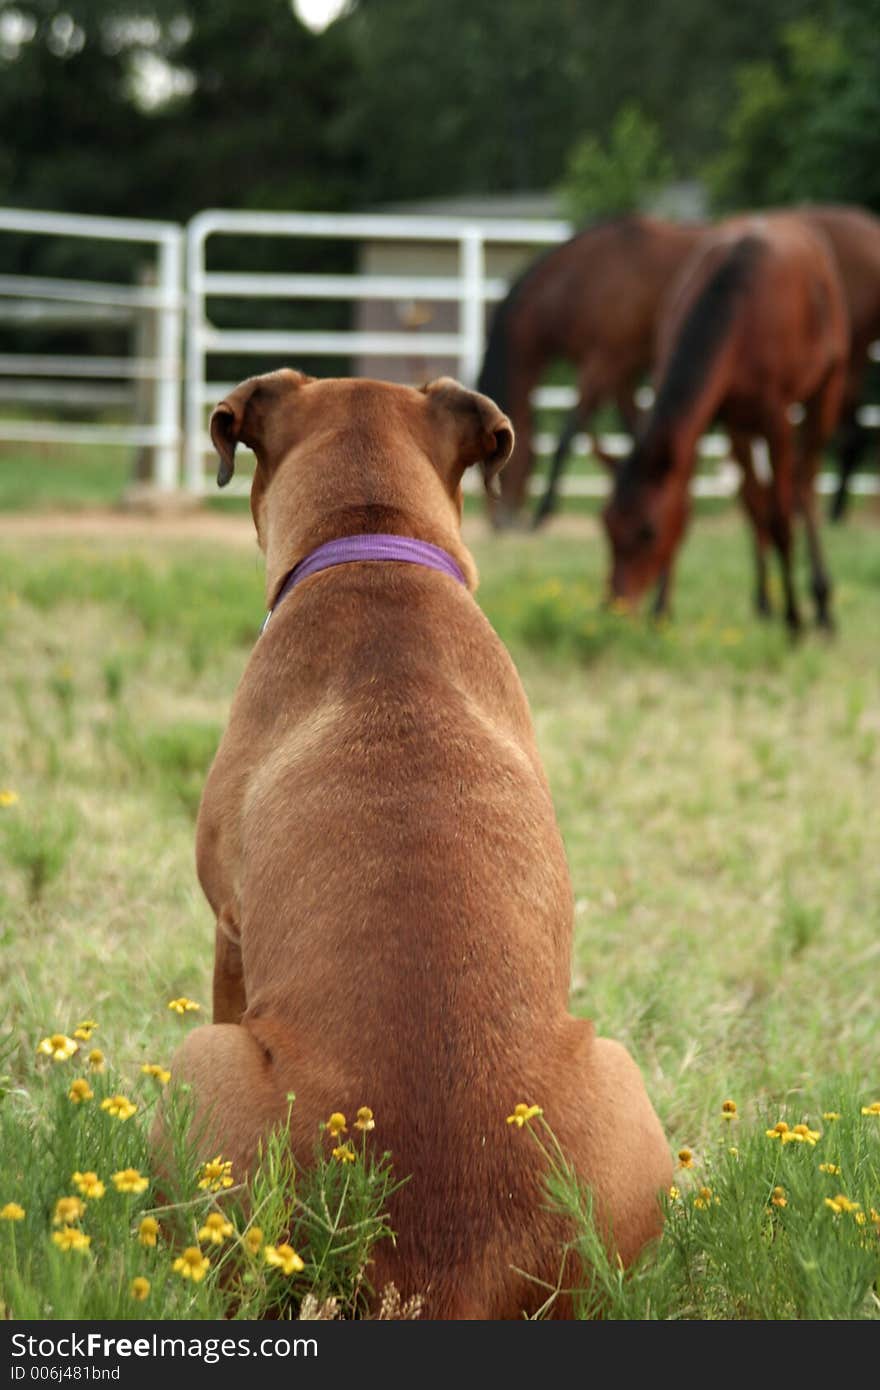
pixel 341 456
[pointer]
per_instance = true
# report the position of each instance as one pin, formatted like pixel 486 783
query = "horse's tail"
pixel 707 324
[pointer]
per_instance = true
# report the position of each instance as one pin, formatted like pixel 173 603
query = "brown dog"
pixel 377 840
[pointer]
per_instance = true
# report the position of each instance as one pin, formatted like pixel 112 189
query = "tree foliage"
pixel 602 179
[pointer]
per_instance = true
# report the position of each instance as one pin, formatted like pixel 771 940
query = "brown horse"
pixel 593 302
pixel 854 236
pixel 756 325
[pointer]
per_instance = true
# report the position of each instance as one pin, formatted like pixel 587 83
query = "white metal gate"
pixel 468 287
pixel 86 380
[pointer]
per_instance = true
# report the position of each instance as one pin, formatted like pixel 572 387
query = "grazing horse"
pixel 854 235
pixel 756 325
pixel 592 301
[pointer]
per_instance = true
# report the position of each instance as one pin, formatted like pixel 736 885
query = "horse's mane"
pixel 494 372
pixel 705 328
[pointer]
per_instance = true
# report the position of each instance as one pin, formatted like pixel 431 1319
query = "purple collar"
pixel 353 549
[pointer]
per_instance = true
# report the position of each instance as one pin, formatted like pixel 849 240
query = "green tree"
pixel 618 176
pixel 807 125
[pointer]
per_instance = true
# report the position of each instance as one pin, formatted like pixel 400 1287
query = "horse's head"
pixel 645 519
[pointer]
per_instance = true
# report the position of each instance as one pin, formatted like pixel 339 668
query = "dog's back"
pixel 378 841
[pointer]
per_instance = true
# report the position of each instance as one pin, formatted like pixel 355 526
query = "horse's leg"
pixel 853 440
pixel 780 440
pixel 660 606
pixel 755 499
pixel 821 412
pixel 548 503
pixel 505 509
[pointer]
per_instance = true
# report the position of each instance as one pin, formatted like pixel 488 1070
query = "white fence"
pixel 465 246
pixel 70 380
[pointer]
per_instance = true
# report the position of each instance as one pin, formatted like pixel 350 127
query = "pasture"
pixel 716 786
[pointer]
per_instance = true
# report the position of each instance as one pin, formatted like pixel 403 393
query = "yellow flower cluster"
pixel 183 1005
pixel 89 1185
pixel 8 797
pixel 522 1113
pixel 71 1238
pixel 84 1030
pixel 336 1125
pixel 148 1231
pixel 192 1264
pixel 161 1074
pixel 216 1174
pixel 12 1212
pixel 685 1158
pixel 778 1197
pixel 96 1059
pixel 130 1180
pixel 704 1199
pixel 285 1258
pixel 253 1239
pixel 728 1110
pixel 345 1153
pixel 139 1288
pixel 872 1109
pixel 120 1107
pixel 216 1229
pixel 829 1168
pixel 80 1090
pixel 842 1206
pixel 798 1134
pixel 58 1046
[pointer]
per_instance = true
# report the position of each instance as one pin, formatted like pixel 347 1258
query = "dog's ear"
pixel 484 433
pixel 239 417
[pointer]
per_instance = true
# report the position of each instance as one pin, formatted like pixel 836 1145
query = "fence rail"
pixel 151 313
pixel 172 310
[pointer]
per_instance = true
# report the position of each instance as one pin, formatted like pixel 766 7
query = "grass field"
pixel 717 790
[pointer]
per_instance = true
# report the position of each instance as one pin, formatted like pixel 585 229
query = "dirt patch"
pixel 200 524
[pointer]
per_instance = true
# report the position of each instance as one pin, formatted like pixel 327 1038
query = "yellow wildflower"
pixel 778 1197
pixel 728 1110
pixel 57 1046
pixel 345 1153
pixel 130 1180
pixel 119 1106
pixel 674 1193
pixel 685 1158
pixel 89 1185
pixel 84 1030
pixel 285 1258
pixel 8 797
pixel 860 1218
pixel 336 1125
pixel 139 1288
pixel 703 1198
pixel 734 1151
pixel 162 1074
pixel 192 1264
pixel 872 1109
pixel 523 1113
pixel 365 1119
pixel 253 1239
pixel 70 1238
pixel 216 1228
pixel 778 1130
pixel 829 1168
pixel 68 1210
pixel 216 1173
pixel 148 1231
pixel 801 1134
pixel 184 1005
pixel 830 1115
pixel 80 1090
pixel 841 1205
pixel 96 1059
pixel 12 1212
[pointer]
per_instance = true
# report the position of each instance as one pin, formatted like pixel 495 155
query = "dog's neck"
pixel 284 554
pixel 349 550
